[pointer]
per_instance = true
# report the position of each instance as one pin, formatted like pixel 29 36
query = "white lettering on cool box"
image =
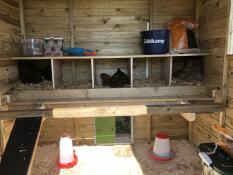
pixel 151 41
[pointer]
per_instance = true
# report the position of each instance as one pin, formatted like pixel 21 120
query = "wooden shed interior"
pixel 72 98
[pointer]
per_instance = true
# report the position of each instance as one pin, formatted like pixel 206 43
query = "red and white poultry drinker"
pixel 67 158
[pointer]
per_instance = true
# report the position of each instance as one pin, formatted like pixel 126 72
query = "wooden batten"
pixel 22 21
pixel 151 10
pixel 190 117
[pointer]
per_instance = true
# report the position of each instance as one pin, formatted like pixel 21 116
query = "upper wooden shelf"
pixel 109 57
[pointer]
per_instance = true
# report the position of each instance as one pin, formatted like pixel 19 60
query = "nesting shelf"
pixel 166 64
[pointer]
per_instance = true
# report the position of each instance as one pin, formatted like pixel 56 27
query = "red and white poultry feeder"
pixel 161 149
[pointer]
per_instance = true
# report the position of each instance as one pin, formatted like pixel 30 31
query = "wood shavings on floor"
pixel 150 82
pixel 177 82
pixel 106 160
pixel 34 86
pixel 76 85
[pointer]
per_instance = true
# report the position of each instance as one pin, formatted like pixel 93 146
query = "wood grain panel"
pixel 9 43
pixel 212 37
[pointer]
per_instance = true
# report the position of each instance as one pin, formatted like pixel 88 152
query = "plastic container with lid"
pixel 32 47
pixel 53 46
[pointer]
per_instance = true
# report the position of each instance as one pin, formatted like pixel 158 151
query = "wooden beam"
pixel 177 93
pixel 184 108
pixel 107 110
pixel 190 117
pixel 13 114
pixel 22 21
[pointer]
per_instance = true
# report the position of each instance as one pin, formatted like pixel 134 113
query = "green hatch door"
pixel 105 130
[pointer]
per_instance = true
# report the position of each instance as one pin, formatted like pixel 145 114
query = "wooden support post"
pixel 71 23
pixel 93 73
pixel 73 71
pixel 190 117
pixel 21 16
pixel 166 70
pixel 222 119
pixel 190 132
pixel 147 68
pixel 56 67
pixel 170 70
pixel 131 72
pixel 72 37
pixel 148 60
pixel 225 69
pixel 149 129
pixel 151 5
pixel 197 13
pixel 2 137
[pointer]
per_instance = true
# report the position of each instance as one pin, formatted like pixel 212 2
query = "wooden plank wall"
pixel 166 10
pixel 9 46
pixel 229 110
pixel 202 131
pixel 108 27
pixel 9 42
pixel 212 36
pixel 46 19
pixel 53 129
pixel 174 125
pixel 83 129
pixel 213 15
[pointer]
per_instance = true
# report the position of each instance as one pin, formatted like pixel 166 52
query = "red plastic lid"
pixel 162 135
